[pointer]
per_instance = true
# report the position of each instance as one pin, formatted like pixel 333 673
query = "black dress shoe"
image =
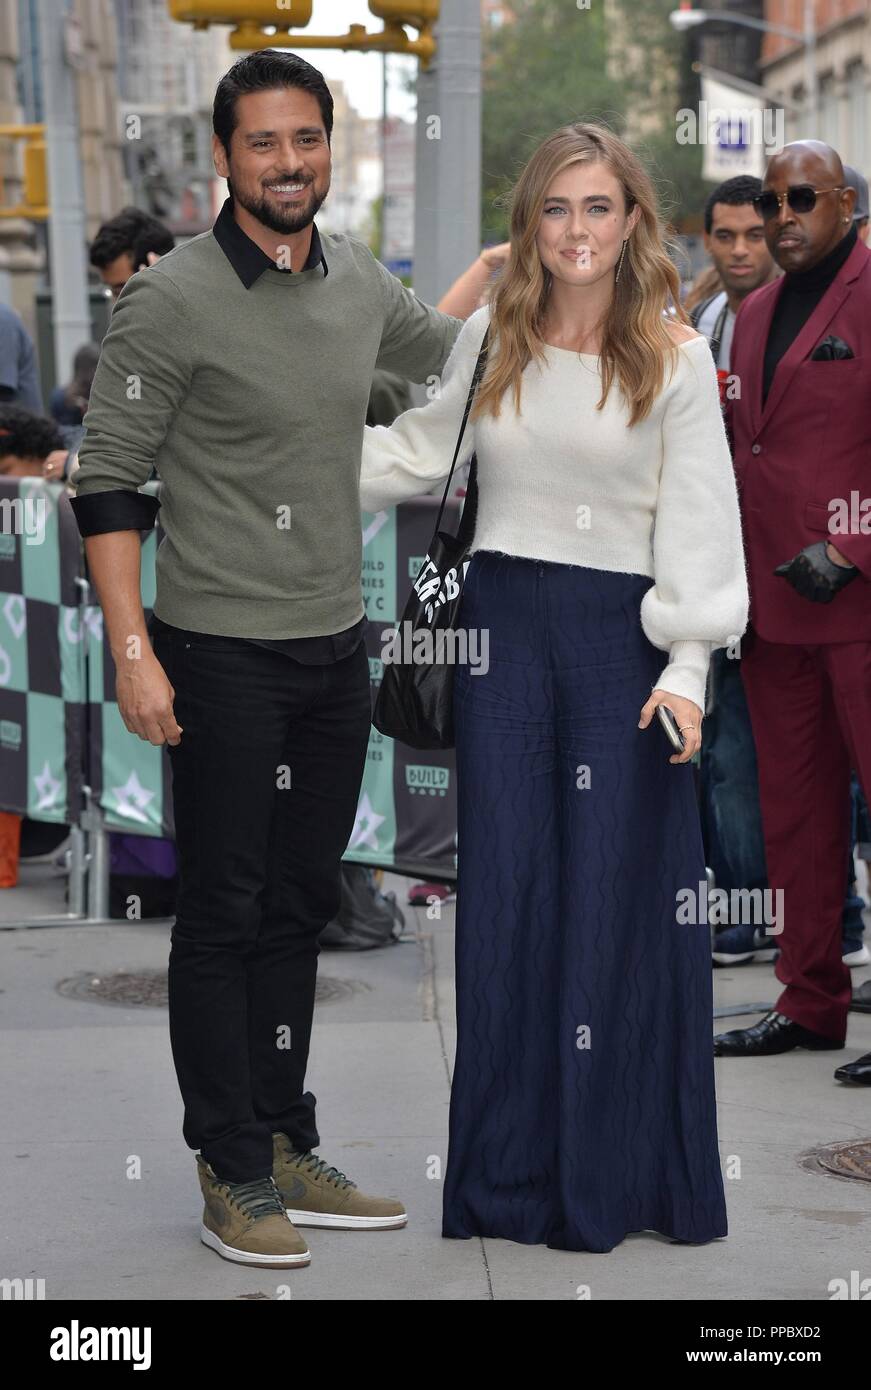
pixel 859 1072
pixel 861 1002
pixel 773 1033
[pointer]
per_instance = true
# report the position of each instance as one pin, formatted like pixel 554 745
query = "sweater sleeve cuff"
pixel 687 671
pixel 118 509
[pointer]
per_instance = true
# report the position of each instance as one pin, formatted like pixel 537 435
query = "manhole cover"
pixel 140 989
pixel 848 1159
pixel 329 989
pixel 148 988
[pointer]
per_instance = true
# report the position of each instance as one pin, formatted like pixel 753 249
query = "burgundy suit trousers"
pixel 810 707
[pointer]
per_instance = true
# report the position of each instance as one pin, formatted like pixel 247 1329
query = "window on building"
pixel 857 117
pixel 827 120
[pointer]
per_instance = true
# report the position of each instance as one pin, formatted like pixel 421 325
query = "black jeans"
pixel 265 785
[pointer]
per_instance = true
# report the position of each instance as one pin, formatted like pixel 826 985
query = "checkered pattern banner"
pixel 42 711
pixel 407 813
pixel 131 779
pixel 53 732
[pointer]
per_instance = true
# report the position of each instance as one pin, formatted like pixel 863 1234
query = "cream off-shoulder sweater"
pixel 565 482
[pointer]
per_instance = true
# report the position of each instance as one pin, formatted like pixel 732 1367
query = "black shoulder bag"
pixel 415 702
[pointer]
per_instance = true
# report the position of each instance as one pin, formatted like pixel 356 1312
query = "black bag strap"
pixel 696 313
pixel 714 340
pixel 469 515
pixel 473 485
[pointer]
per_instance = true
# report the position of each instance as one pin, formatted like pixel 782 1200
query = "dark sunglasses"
pixel 801 198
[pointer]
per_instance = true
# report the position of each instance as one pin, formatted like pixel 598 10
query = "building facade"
pixel 843 68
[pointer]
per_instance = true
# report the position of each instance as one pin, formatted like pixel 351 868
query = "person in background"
pixel 735 242
pixel 19 378
pixel 127 243
pixel 855 180
pixel 30 445
pixel 69 403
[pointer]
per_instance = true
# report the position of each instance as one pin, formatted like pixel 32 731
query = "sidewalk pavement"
pixel 87 1085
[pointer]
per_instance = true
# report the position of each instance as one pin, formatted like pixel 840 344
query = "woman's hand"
pixel 494 257
pixel 53 466
pixel 685 712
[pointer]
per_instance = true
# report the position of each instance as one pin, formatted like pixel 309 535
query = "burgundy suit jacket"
pixel 810 445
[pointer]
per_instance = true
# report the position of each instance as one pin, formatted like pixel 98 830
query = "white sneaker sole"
pixel 350 1223
pixel 760 956
pixel 249 1257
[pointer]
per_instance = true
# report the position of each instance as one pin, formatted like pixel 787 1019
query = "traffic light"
pixel 417 13
pixel 33 169
pixel 293 14
pixel 33 172
pixel 274 24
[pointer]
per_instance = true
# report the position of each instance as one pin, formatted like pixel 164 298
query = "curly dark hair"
pixel 261 71
pixel 26 435
pixel 735 192
pixel 133 232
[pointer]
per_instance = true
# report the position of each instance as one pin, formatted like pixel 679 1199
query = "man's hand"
pixel 145 699
pixel 815 575
pixel 685 712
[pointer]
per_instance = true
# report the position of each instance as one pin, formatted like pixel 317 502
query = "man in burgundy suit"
pixel 801 433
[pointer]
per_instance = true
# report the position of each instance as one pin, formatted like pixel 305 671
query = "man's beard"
pixel 281 218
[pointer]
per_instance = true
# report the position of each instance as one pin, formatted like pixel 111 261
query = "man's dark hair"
pixel 132 232
pixel 263 71
pixel 735 192
pixel 27 435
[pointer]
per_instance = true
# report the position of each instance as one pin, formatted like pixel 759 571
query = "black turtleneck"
pixel 800 294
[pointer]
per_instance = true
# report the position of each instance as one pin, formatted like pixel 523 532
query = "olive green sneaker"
pixel 246 1222
pixel 316 1195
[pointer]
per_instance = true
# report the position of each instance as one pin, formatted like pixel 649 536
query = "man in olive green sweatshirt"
pixel 239 366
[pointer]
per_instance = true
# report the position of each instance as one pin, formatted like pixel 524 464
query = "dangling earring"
pixel 620 262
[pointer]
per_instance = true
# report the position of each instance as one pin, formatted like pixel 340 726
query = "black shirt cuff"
pixel 118 509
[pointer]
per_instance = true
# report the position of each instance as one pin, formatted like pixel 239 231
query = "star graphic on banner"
pixel 15 613
pixel 76 620
pixel 132 799
pixel 366 824
pixel 47 787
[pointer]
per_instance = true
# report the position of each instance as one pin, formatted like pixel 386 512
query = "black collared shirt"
pixel 247 258
pixel 249 262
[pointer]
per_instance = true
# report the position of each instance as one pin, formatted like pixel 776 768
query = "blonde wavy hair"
pixel 636 344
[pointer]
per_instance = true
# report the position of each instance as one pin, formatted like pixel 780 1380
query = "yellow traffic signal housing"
pixel 35 180
pixel 417 13
pixel 273 24
pixel 201 13
pixel 33 167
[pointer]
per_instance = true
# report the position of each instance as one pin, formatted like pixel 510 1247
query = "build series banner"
pixel 60 724
pixel 407 815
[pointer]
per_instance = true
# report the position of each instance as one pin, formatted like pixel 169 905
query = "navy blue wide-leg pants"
pixel 583 1104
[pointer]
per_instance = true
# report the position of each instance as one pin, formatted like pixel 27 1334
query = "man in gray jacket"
pixel 239 366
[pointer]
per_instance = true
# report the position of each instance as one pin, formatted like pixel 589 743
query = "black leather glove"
pixel 813 575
